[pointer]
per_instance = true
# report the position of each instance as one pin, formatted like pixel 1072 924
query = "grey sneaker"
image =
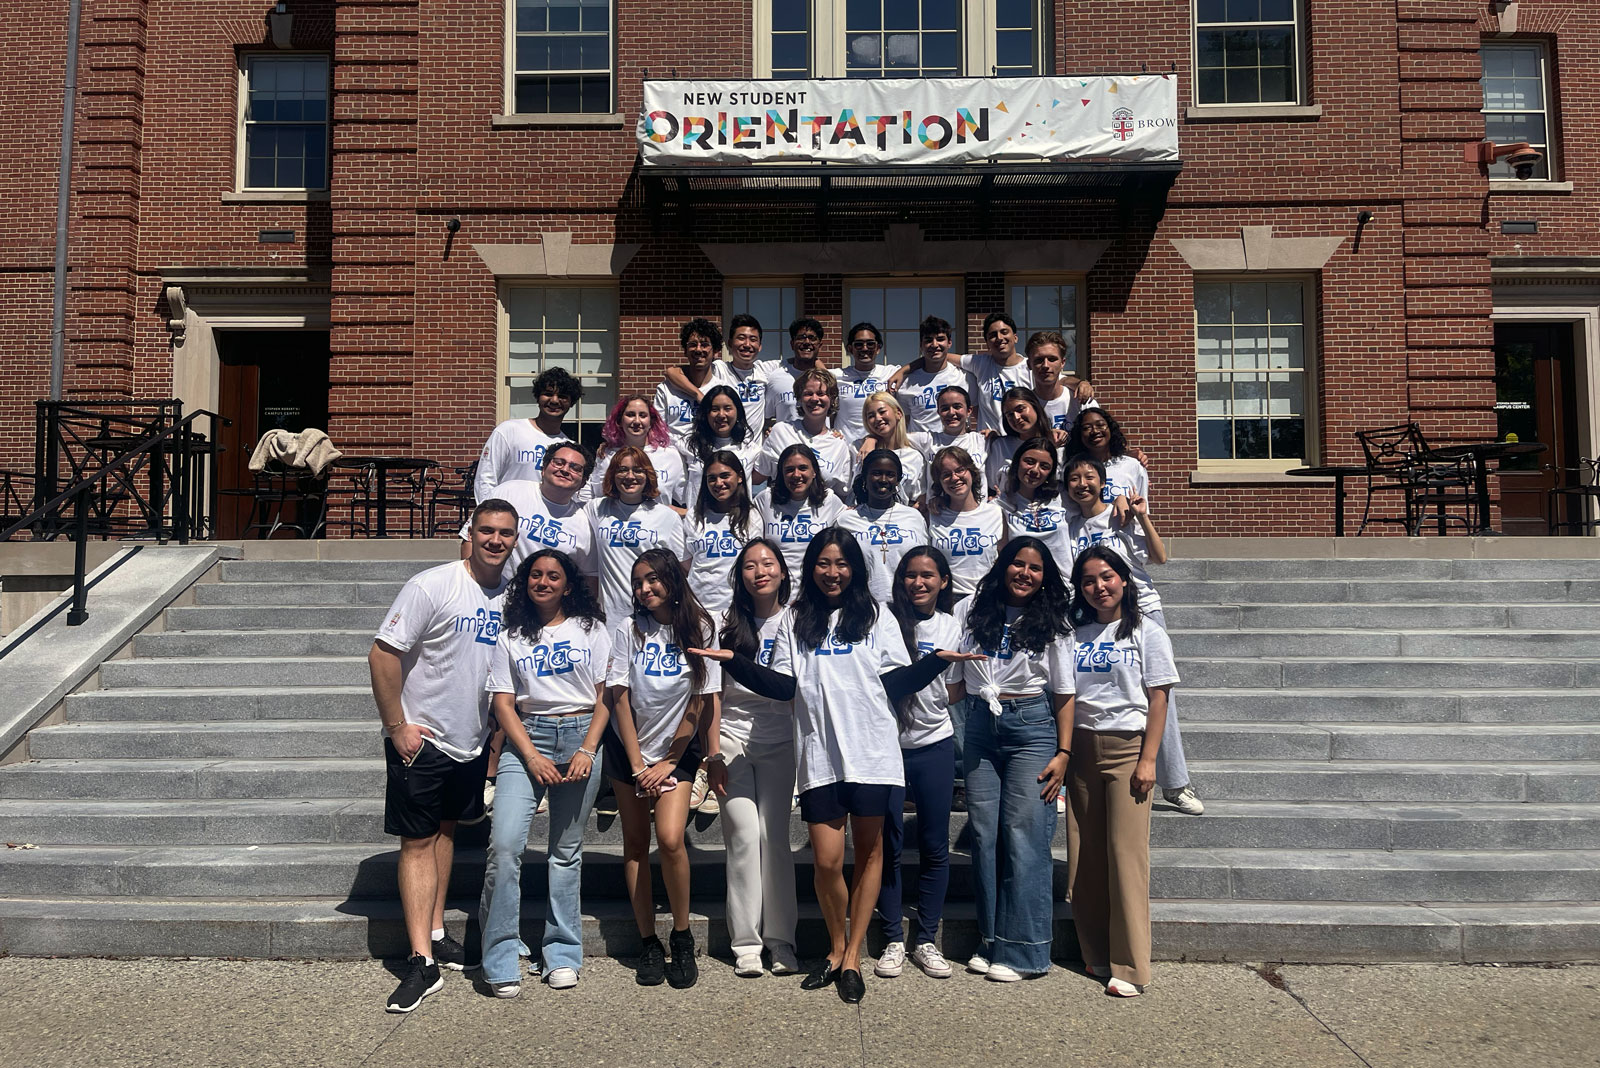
pixel 784 961
pixel 892 961
pixel 931 961
pixel 1185 801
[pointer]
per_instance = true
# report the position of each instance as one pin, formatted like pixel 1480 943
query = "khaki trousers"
pixel 1108 854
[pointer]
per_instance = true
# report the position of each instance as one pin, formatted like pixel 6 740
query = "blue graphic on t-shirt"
pixel 796 529
pixel 534 456
pixel 631 534
pixel 1103 656
pixel 548 660
pixel 1088 538
pixel 764 657
pixel 864 387
pixel 886 534
pixel 660 661
pixel 1005 651
pixel 484 623
pixel 750 390
pixel 833 645
pixel 716 544
pixel 928 398
pixel 543 530
pixel 966 541
pixel 1040 520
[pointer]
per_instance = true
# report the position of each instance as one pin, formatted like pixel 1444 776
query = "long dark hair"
pixel 780 488
pixel 739 630
pixel 521 618
pixel 1051 486
pixel 1044 618
pixel 1041 418
pixel 691 626
pixel 906 615
pixel 739 507
pixel 858 612
pixel 1082 612
pixel 1118 443
pixel 859 486
pixel 702 438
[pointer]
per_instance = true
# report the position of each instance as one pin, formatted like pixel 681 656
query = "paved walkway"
pixel 199 1014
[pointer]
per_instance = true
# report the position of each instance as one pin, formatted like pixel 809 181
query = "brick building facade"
pixel 200 271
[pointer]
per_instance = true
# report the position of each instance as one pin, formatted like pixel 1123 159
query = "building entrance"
pixel 1536 398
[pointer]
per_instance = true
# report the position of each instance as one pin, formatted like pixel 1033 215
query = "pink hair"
pixel 611 432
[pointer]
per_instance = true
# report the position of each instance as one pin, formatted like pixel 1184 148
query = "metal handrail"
pixel 79 493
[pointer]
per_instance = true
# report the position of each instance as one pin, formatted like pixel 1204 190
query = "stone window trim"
pixel 1256 249
pixel 556 255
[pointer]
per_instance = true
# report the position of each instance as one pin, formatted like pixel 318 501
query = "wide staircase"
pixel 1400 760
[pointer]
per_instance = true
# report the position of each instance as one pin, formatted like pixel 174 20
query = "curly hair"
pixel 858 611
pixel 1051 486
pixel 1119 441
pixel 611 431
pixel 561 382
pixel 704 328
pixel 780 487
pixel 1045 616
pixel 1081 613
pixel 520 617
pixel 690 623
pixel 739 630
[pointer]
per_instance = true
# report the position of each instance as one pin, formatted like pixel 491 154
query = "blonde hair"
pixel 897 433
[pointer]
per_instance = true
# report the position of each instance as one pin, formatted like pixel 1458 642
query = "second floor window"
pixel 1515 101
pixel 1247 52
pixel 562 57
pixel 284 127
pixel 897 38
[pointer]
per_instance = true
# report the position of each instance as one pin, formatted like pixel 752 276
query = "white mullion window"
pixel 897 308
pixel 1516 101
pixel 560 57
pixel 1248 52
pixel 1254 352
pixel 571 327
pixel 1048 304
pixel 897 38
pixel 283 122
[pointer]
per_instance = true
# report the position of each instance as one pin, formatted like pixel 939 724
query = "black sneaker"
pixel 421 980
pixel 652 963
pixel 448 953
pixel 683 971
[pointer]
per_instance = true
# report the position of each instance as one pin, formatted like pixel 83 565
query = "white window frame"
pixel 510 103
pixel 1310 304
pixel 774 336
pixel 503 374
pixel 1548 147
pixel 1302 61
pixel 958 323
pixel 979 50
pixel 243 123
pixel 1081 312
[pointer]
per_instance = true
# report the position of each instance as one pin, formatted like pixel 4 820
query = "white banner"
pixel 1130 118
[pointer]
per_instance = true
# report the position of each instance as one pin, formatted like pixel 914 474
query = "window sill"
pixel 1262 112
pixel 1254 478
pixel 275 196
pixel 1514 185
pixel 613 121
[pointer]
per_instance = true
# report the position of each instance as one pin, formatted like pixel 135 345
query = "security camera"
pixel 1523 161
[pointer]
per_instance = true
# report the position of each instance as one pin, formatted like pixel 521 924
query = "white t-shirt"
pixel 543 525
pixel 748 451
pixel 515 450
pixel 746 715
pixel 794 523
pixel 678 408
pixel 668 464
pixel 554 674
pixel 1015 671
pixel 848 731
pixel 650 662
pixel 750 385
pixel 1113 674
pixel 782 406
pixel 1125 477
pixel 445 625
pixel 835 455
pixel 930 706
pixel 970 542
pixel 622 532
pixel 1046 521
pixel 972 443
pixel 854 389
pixel 997 455
pixel 990 382
pixel 884 536
pixel 1128 542
pixel 713 545
pixel 919 393
pixel 1063 411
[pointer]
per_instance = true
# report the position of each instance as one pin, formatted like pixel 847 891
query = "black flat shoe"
pixel 852 988
pixel 824 974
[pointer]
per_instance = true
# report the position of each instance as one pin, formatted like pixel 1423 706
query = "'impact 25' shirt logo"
pixel 966 541
pixel 833 645
pixel 547 661
pixel 631 534
pixel 1103 656
pixel 716 545
pixel 1005 652
pixel 796 529
pixel 534 456
pixel 543 530
pixel 660 660
pixel 484 623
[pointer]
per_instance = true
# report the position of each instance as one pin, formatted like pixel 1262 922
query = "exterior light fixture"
pixel 1521 155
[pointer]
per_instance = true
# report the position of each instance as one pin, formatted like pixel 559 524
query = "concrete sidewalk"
pixel 199 1014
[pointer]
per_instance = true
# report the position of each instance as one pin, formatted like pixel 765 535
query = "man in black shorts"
pixel 429 663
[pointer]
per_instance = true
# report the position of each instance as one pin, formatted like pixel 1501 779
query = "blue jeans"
pixel 930 780
pixel 515 798
pixel 1172 768
pixel 1012 829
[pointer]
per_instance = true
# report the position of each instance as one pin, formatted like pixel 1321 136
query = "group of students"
pixel 787 608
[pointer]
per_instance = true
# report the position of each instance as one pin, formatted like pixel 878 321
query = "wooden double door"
pixel 1536 398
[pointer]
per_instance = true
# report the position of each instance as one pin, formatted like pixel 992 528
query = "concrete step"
pixel 1311 672
pixel 1301 590
pixel 341 928
pixel 233 739
pixel 1198 705
pixel 1379 569
pixel 322 570
pixel 1244 780
pixel 265 617
pixel 1309 640
pixel 1407 741
pixel 1436 617
pixel 114 779
pixel 245 703
pixel 296 594
pixel 238 671
pixel 309 642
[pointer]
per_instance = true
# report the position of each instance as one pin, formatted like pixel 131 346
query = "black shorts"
pixel 835 801
pixel 432 789
pixel 617 765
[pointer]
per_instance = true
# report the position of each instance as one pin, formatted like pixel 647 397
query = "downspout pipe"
pixel 69 108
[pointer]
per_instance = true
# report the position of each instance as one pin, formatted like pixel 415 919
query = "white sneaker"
pixel 892 961
pixel 544 804
pixel 488 795
pixel 710 807
pixel 1119 989
pixel 507 990
pixel 931 961
pixel 999 973
pixel 562 979
pixel 700 790
pixel 748 966
pixel 1185 801
pixel 1061 803
pixel 978 964
pixel 784 962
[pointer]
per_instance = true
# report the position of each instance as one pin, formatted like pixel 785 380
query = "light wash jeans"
pixel 1172 769
pixel 516 796
pixel 1012 829
pixel 755 827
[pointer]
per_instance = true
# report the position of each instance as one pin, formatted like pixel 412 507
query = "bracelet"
pixel 590 753
pixel 391 728
pixel 1068 752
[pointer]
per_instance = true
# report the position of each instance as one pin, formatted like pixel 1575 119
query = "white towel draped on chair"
pixel 310 449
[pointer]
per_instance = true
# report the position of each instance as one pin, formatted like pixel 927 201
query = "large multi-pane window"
pixel 284 135
pixel 1251 357
pixel 1247 52
pixel 1047 306
pixel 899 309
pixel 571 327
pixel 562 57
pixel 897 38
pixel 774 306
pixel 1516 100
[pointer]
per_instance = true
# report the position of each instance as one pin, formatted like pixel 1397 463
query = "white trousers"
pixel 755 832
